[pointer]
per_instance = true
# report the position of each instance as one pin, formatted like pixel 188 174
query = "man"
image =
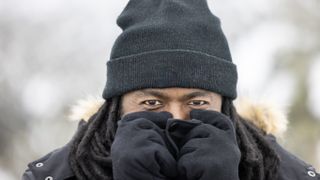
pixel 168 111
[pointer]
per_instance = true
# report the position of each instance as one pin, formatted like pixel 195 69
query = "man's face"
pixel 178 101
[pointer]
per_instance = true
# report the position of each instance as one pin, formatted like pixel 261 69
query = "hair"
pixel 90 148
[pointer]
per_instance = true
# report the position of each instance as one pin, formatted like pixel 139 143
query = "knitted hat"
pixel 170 43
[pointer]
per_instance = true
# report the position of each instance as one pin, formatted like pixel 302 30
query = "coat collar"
pixel 265 115
pixel 54 165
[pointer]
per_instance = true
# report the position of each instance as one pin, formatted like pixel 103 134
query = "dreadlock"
pixel 90 151
pixel 259 161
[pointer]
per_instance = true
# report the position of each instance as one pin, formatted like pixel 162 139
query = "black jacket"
pixel 54 166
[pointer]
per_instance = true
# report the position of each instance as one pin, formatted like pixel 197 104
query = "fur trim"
pixel 264 115
pixel 85 108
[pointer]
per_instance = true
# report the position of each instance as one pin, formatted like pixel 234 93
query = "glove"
pixel 209 150
pixel 139 150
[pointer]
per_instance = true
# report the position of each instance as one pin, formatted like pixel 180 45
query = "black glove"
pixel 209 151
pixel 139 150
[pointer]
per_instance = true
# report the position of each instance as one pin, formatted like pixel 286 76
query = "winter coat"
pixel 54 165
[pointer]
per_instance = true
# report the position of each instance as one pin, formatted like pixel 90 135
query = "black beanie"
pixel 170 43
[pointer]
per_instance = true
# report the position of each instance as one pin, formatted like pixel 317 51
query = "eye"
pixel 152 103
pixel 198 103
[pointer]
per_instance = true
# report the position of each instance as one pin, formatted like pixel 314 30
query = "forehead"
pixel 172 93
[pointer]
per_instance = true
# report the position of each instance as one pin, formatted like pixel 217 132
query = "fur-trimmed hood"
pixel 266 116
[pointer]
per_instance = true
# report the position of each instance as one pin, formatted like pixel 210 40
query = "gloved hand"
pixel 139 150
pixel 209 151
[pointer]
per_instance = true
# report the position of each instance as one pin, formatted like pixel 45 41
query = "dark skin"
pixel 178 101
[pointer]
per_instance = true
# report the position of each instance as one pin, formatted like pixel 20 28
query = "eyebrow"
pixel 164 96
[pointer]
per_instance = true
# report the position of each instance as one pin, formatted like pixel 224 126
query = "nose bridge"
pixel 178 111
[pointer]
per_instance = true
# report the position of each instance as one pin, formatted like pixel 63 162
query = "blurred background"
pixel 53 53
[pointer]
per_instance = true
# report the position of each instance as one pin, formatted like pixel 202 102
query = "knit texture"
pixel 170 43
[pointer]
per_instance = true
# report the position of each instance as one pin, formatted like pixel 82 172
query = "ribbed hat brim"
pixel 171 68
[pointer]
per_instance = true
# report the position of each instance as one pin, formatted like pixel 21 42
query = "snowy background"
pixel 53 53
